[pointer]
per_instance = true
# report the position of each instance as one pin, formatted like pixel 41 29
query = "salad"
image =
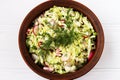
pixel 61 40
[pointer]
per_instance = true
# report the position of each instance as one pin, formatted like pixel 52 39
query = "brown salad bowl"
pixel 34 13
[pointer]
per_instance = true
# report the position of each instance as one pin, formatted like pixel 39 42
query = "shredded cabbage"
pixel 61 40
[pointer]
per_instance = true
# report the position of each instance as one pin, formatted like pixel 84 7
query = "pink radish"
pixel 35 29
pixel 28 31
pixel 62 23
pixel 63 20
pixel 58 52
pixel 48 69
pixel 90 55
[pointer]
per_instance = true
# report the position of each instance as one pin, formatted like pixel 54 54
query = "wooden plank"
pixel 102 74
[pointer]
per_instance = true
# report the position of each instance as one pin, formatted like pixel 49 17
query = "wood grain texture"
pixel 12 66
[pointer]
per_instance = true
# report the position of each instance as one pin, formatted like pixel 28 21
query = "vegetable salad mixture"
pixel 61 40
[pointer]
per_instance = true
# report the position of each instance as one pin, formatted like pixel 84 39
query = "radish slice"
pixel 58 52
pixel 90 55
pixel 58 55
pixel 35 29
pixel 39 43
pixel 61 23
pixel 28 31
pixel 63 20
pixel 48 69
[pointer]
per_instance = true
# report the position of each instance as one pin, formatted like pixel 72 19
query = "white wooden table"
pixel 12 66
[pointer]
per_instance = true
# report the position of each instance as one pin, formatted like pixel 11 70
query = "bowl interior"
pixel 39 10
